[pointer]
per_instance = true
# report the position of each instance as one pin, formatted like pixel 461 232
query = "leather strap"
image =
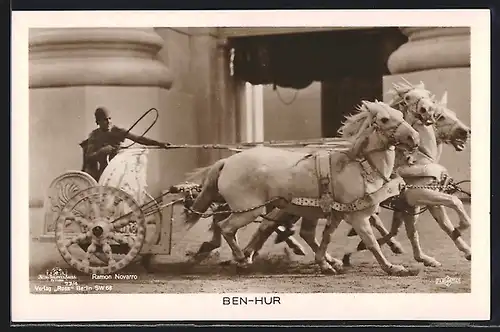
pixel 323 171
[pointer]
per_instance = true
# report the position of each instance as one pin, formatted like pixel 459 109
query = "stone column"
pixel 214 92
pixel 225 98
pixel 439 57
pixel 73 71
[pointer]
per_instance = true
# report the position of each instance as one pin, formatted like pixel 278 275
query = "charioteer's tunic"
pixel 96 160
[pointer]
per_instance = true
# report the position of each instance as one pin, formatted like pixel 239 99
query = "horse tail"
pixel 207 173
pixel 209 193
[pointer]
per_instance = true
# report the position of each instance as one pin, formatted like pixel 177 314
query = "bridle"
pixel 405 106
pixel 390 134
pixel 445 135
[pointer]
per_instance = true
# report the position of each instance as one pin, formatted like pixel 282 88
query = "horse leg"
pixel 410 221
pixel 359 220
pixel 294 244
pixel 376 222
pixel 430 197
pixel 266 228
pixel 397 221
pixel 199 206
pixel 320 257
pixel 440 215
pixel 215 242
pixel 308 233
pixel 284 232
pixel 230 226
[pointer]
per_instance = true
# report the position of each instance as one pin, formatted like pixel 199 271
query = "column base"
pixel 456 81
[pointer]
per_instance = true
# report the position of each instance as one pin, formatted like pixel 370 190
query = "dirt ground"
pixel 276 270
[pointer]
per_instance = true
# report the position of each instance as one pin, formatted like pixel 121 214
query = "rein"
pixel 391 137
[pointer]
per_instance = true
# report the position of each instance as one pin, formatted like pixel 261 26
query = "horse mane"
pixel 399 90
pixel 356 123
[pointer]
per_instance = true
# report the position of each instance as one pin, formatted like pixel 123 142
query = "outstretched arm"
pixel 145 141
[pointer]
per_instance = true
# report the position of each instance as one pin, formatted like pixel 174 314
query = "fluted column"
pixel 439 57
pixel 96 56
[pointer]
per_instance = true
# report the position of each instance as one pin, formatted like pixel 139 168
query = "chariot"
pixel 101 227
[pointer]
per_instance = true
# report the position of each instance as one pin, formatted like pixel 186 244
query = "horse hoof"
pixel 339 269
pixel 413 272
pixel 243 266
pixel 401 271
pixel 198 258
pixel 336 264
pixel 468 257
pixel 432 263
pixel 397 250
pixel 328 271
pixel 346 260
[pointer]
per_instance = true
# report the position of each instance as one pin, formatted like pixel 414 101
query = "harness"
pixel 369 173
pixel 326 200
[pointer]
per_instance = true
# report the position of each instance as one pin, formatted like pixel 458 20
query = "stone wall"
pixel 292 114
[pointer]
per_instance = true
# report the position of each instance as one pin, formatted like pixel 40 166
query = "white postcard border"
pixel 476 305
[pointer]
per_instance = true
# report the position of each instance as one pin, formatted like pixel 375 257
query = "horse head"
pixel 449 128
pixel 389 122
pixel 414 100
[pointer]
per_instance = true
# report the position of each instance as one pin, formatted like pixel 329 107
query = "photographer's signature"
pixel 448 281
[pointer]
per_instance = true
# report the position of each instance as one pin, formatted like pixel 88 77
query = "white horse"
pixel 416 103
pixel 325 184
pixel 424 171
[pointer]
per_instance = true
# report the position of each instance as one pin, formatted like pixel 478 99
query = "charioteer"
pixel 103 143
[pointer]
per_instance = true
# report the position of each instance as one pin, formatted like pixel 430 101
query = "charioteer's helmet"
pixel 102 113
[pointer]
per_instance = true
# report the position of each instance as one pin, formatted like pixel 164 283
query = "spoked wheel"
pixel 103 222
pixel 154 217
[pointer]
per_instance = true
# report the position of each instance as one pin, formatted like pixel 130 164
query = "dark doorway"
pixel 339 97
pixel 365 58
pixel 350 63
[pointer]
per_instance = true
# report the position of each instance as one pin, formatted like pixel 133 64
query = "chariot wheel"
pixel 104 222
pixel 59 193
pixel 153 216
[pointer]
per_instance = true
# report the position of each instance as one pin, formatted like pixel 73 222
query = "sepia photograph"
pixel 253 162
